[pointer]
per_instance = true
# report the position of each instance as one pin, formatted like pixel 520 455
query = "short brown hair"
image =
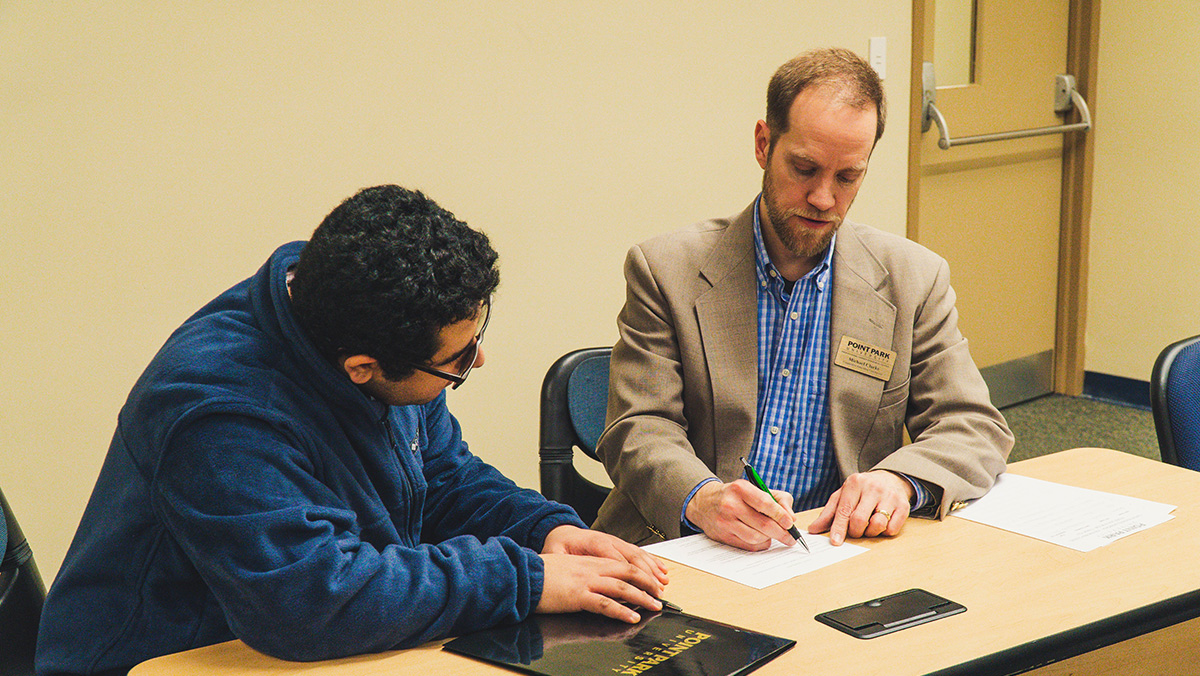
pixel 835 67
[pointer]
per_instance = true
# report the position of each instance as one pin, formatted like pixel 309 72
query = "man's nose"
pixel 821 198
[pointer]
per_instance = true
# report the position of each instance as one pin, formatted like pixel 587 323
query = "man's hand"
pixel 596 572
pixel 741 515
pixel 583 542
pixel 867 505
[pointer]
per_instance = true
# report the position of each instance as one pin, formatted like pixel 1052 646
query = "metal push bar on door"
pixel 1066 97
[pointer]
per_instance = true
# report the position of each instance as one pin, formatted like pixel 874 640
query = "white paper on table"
pixel 753 569
pixel 1073 517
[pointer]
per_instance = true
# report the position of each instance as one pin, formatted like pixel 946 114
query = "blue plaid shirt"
pixel 791 444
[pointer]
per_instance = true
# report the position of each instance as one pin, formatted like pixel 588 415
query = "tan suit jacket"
pixel 683 387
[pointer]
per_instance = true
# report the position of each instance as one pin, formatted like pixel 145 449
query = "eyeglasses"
pixel 466 359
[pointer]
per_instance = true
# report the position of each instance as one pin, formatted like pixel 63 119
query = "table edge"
pixel 1080 640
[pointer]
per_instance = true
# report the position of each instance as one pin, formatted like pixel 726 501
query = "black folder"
pixel 664 644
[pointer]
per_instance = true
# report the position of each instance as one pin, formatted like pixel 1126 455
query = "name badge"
pixel 866 359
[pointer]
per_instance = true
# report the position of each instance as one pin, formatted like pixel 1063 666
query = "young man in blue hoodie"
pixel 286 471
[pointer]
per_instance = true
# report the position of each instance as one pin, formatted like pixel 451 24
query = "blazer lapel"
pixel 861 313
pixel 729 329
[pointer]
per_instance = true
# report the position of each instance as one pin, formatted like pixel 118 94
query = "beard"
pixel 801 241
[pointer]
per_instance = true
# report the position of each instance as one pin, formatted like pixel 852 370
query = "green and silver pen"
pixel 757 481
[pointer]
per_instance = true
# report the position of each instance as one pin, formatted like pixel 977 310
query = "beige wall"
pixel 1144 289
pixel 153 153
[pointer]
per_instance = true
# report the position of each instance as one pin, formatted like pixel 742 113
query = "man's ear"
pixel 762 143
pixel 360 368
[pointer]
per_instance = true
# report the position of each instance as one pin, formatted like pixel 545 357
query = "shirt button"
pixel 772 273
pixel 774 429
pixel 795 315
pixel 787 372
pixel 764 284
pixel 820 284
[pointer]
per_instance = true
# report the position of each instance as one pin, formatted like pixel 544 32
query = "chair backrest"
pixel 22 594
pixel 574 398
pixel 1175 399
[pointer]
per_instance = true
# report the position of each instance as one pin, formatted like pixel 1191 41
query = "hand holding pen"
pixel 761 485
pixel 739 515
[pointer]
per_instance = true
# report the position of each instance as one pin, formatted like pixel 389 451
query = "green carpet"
pixel 1055 423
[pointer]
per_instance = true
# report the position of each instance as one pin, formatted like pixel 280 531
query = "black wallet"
pixel 890 613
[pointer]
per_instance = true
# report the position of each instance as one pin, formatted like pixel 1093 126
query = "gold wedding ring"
pixel 886 514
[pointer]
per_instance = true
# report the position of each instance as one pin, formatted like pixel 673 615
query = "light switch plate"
pixel 877 56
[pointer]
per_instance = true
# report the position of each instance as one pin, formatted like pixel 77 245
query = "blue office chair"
pixel 1175 399
pixel 574 398
pixel 22 594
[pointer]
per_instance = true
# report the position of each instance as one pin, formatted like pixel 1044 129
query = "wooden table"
pixel 1128 607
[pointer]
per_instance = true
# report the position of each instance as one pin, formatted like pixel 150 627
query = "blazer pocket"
pixel 649 539
pixel 887 431
pixel 894 396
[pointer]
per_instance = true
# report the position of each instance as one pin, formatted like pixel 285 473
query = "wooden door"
pixel 995 210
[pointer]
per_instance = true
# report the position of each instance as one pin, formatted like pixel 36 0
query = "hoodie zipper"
pixel 411 533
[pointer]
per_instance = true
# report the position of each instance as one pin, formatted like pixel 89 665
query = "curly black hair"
pixel 385 272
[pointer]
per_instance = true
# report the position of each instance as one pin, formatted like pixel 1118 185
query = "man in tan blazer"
pixel 685 391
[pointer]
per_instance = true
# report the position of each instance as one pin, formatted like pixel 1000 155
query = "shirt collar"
pixel 764 267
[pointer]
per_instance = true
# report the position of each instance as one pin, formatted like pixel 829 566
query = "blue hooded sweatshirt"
pixel 252 491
